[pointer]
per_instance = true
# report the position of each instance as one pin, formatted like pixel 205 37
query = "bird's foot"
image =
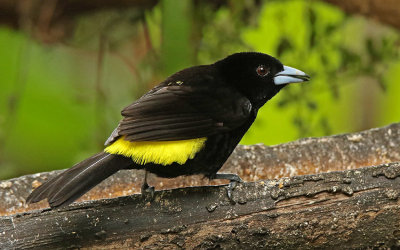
pixel 147 191
pixel 234 179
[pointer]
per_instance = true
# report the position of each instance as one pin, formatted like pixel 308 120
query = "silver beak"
pixel 290 75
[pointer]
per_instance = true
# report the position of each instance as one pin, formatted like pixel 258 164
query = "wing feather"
pixel 193 110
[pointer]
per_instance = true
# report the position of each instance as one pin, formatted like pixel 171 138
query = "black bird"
pixel 188 124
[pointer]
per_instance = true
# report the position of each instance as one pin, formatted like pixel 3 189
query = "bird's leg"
pixel 146 189
pixel 234 179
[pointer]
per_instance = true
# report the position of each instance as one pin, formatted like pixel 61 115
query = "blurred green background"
pixel 61 98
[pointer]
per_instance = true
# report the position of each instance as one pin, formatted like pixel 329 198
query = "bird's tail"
pixel 76 181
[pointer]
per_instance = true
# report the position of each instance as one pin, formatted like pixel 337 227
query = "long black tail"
pixel 76 181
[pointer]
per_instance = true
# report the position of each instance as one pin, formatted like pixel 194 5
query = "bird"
pixel 188 124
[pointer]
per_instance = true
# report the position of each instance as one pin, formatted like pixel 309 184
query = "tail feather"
pixel 76 181
pixel 43 191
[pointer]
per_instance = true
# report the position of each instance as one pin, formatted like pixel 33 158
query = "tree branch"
pixel 354 208
pixel 387 11
pixel 53 20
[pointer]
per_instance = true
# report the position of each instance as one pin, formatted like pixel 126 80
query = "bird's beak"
pixel 290 75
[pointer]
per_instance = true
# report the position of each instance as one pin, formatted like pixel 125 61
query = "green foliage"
pixel 59 103
pixel 336 51
pixel 175 25
pixel 32 102
pixel 47 112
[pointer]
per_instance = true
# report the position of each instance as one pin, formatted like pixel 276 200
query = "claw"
pixel 231 186
pixel 146 190
pixel 234 179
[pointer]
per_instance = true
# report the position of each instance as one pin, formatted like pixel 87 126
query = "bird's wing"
pixel 182 112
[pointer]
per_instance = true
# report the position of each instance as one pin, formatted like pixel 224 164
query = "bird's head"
pixel 258 76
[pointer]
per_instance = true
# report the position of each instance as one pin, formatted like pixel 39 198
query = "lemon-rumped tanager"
pixel 188 124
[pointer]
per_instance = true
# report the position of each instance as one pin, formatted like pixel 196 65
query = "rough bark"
pixel 252 163
pixel 354 208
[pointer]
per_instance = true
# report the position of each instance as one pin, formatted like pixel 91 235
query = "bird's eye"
pixel 262 70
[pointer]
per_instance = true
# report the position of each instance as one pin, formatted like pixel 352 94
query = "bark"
pixel 252 163
pixel 352 208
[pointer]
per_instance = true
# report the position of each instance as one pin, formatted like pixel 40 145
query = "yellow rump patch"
pixel 159 152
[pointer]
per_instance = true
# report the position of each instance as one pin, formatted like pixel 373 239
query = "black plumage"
pixel 218 102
